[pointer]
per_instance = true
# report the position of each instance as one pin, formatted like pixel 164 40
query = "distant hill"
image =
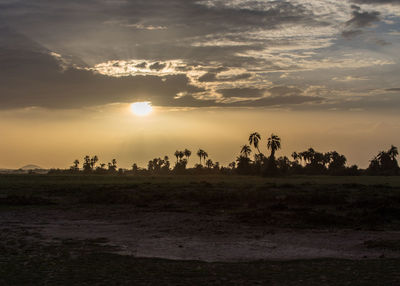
pixel 30 167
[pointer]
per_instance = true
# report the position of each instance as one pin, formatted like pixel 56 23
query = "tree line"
pixel 249 162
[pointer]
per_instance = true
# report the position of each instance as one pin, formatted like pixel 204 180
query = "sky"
pixel 317 73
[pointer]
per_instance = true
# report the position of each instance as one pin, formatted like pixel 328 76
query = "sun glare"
pixel 141 108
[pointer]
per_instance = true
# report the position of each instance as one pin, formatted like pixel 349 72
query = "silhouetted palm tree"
pixel 187 153
pixel 295 156
pixel 259 158
pixel 245 151
pixel 209 163
pixel 205 155
pixel 274 143
pixel 86 164
pixel 202 155
pixel 254 139
pixel 176 155
pixel 308 155
pixel 336 161
pixel 76 164
pixel 93 161
pixel 166 164
pixel 113 165
pixel 181 155
pixel 393 152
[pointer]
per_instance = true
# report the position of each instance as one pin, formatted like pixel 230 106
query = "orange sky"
pixel 51 138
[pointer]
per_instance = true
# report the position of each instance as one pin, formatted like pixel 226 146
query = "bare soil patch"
pixel 194 236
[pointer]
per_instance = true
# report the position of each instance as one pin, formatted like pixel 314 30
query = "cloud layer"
pixel 186 53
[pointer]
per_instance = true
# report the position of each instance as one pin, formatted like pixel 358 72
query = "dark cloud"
pixel 33 77
pixel 351 33
pixel 236 77
pixel 393 89
pixel 382 42
pixel 211 74
pixel 98 31
pixel 284 91
pixel 395 2
pixel 208 77
pixel 242 92
pixel 157 66
pixel 141 65
pixel 77 88
pixel 362 19
pixel 36 79
pixel 222 34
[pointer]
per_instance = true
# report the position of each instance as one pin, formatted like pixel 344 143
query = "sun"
pixel 141 108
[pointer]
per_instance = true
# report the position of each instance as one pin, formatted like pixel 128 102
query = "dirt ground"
pixel 191 236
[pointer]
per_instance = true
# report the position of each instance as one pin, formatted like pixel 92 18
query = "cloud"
pixel 211 75
pixel 362 19
pixel 377 102
pixel 279 101
pixel 191 52
pixel 358 21
pixel 242 92
pixel 284 91
pixel 349 79
pixel 395 2
pixel 214 75
pixel 157 66
pixel 97 31
pixel 351 33
pixel 141 65
pixel 33 77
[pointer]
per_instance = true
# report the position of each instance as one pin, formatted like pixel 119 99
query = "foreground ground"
pixel 85 230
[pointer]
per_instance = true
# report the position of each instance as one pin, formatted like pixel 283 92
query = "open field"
pixel 299 202
pixel 199 230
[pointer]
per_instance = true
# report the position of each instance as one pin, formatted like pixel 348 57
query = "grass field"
pixel 356 203
pixel 350 202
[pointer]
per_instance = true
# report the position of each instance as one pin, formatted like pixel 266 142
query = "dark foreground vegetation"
pixel 308 162
pixel 366 202
pixel 296 202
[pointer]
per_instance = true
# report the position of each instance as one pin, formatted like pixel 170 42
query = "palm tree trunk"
pixel 272 153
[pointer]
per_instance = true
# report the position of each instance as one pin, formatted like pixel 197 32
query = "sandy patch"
pixel 185 236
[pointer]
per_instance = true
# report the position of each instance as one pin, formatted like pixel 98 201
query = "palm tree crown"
pixel 202 154
pixel 246 150
pixel 274 143
pixel 254 139
pixel 393 152
pixel 187 153
pixel 205 155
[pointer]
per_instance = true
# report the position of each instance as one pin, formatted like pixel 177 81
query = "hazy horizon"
pixel 129 139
